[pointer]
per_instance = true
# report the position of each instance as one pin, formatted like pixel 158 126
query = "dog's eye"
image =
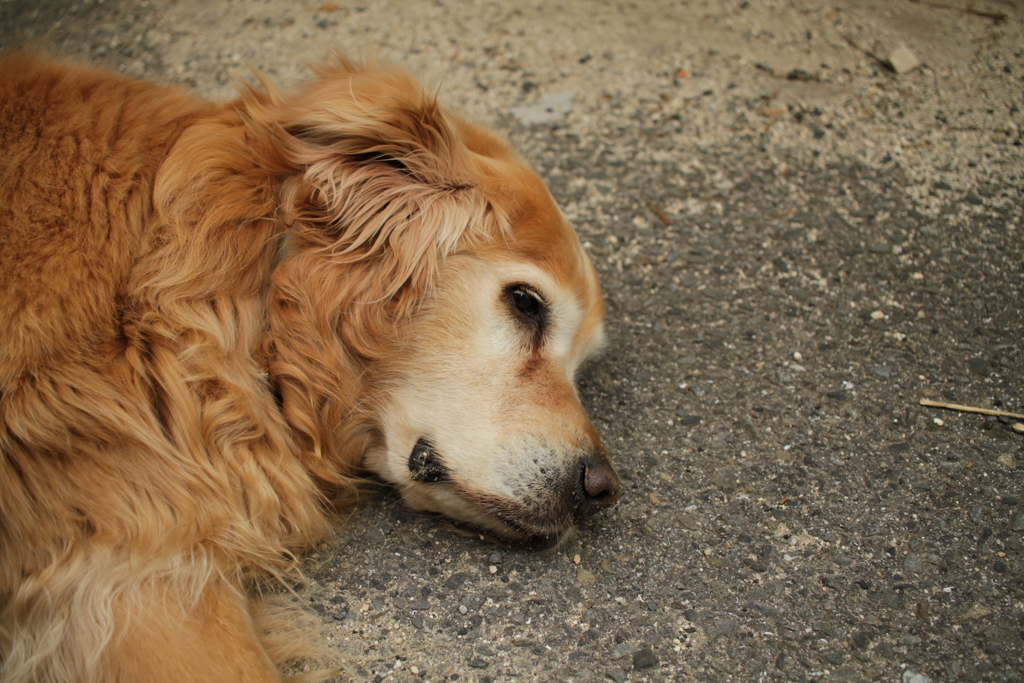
pixel 526 303
pixel 527 306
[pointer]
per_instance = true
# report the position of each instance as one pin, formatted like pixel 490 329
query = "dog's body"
pixel 212 315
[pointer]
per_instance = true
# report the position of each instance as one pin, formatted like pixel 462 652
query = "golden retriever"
pixel 213 317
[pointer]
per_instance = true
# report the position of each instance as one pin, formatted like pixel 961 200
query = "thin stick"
pixel 969 409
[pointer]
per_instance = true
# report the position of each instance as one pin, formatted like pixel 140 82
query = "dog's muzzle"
pixel 425 464
pixel 597 487
pixel 542 511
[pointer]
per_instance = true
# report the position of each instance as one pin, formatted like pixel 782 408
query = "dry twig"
pixel 1018 427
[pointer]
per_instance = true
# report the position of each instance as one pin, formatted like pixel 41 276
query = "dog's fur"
pixel 213 315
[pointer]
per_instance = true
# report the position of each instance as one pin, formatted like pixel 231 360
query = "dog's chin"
pixel 496 519
pixel 516 537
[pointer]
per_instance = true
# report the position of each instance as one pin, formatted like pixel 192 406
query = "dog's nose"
pixel 599 485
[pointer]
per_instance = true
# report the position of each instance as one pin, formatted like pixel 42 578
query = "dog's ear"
pixel 384 179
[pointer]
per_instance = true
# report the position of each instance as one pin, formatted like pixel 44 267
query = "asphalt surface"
pixel 797 245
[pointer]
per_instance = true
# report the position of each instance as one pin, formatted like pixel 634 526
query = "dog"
pixel 217 318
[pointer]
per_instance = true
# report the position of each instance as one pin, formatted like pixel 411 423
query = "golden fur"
pixel 213 315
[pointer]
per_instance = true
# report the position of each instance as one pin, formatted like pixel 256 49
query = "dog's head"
pixel 432 309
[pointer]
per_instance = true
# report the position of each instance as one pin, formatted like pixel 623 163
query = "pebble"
pixel 911 676
pixel 975 612
pixel 979 366
pixel 620 651
pixel 552 108
pixel 903 60
pixel 913 563
pixel 645 659
pixel 975 514
pixel 846 673
pixel 1018 522
pixel 724 627
pixel 455 580
pixel 585 578
pixel 617 675
pixel 688 522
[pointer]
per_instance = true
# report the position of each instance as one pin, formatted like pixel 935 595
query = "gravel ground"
pixel 797 244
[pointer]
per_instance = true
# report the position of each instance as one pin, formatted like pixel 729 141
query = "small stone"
pixel 822 628
pixel 455 580
pixel 979 366
pixel 585 578
pixel 645 659
pixel 725 479
pixel 724 627
pixel 620 651
pixel 837 395
pixel 845 673
pixel 903 60
pixel 492 569
pixel 496 557
pixel 698 389
pixel 463 609
pixel 872 528
pixel 552 108
pixel 617 675
pixel 688 521
pixel 911 676
pixel 881 248
pixel 877 315
pixel 690 420
pixel 1006 460
pixel 975 514
pixel 1018 522
pixel 882 371
pixel 479 663
pixel 975 612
